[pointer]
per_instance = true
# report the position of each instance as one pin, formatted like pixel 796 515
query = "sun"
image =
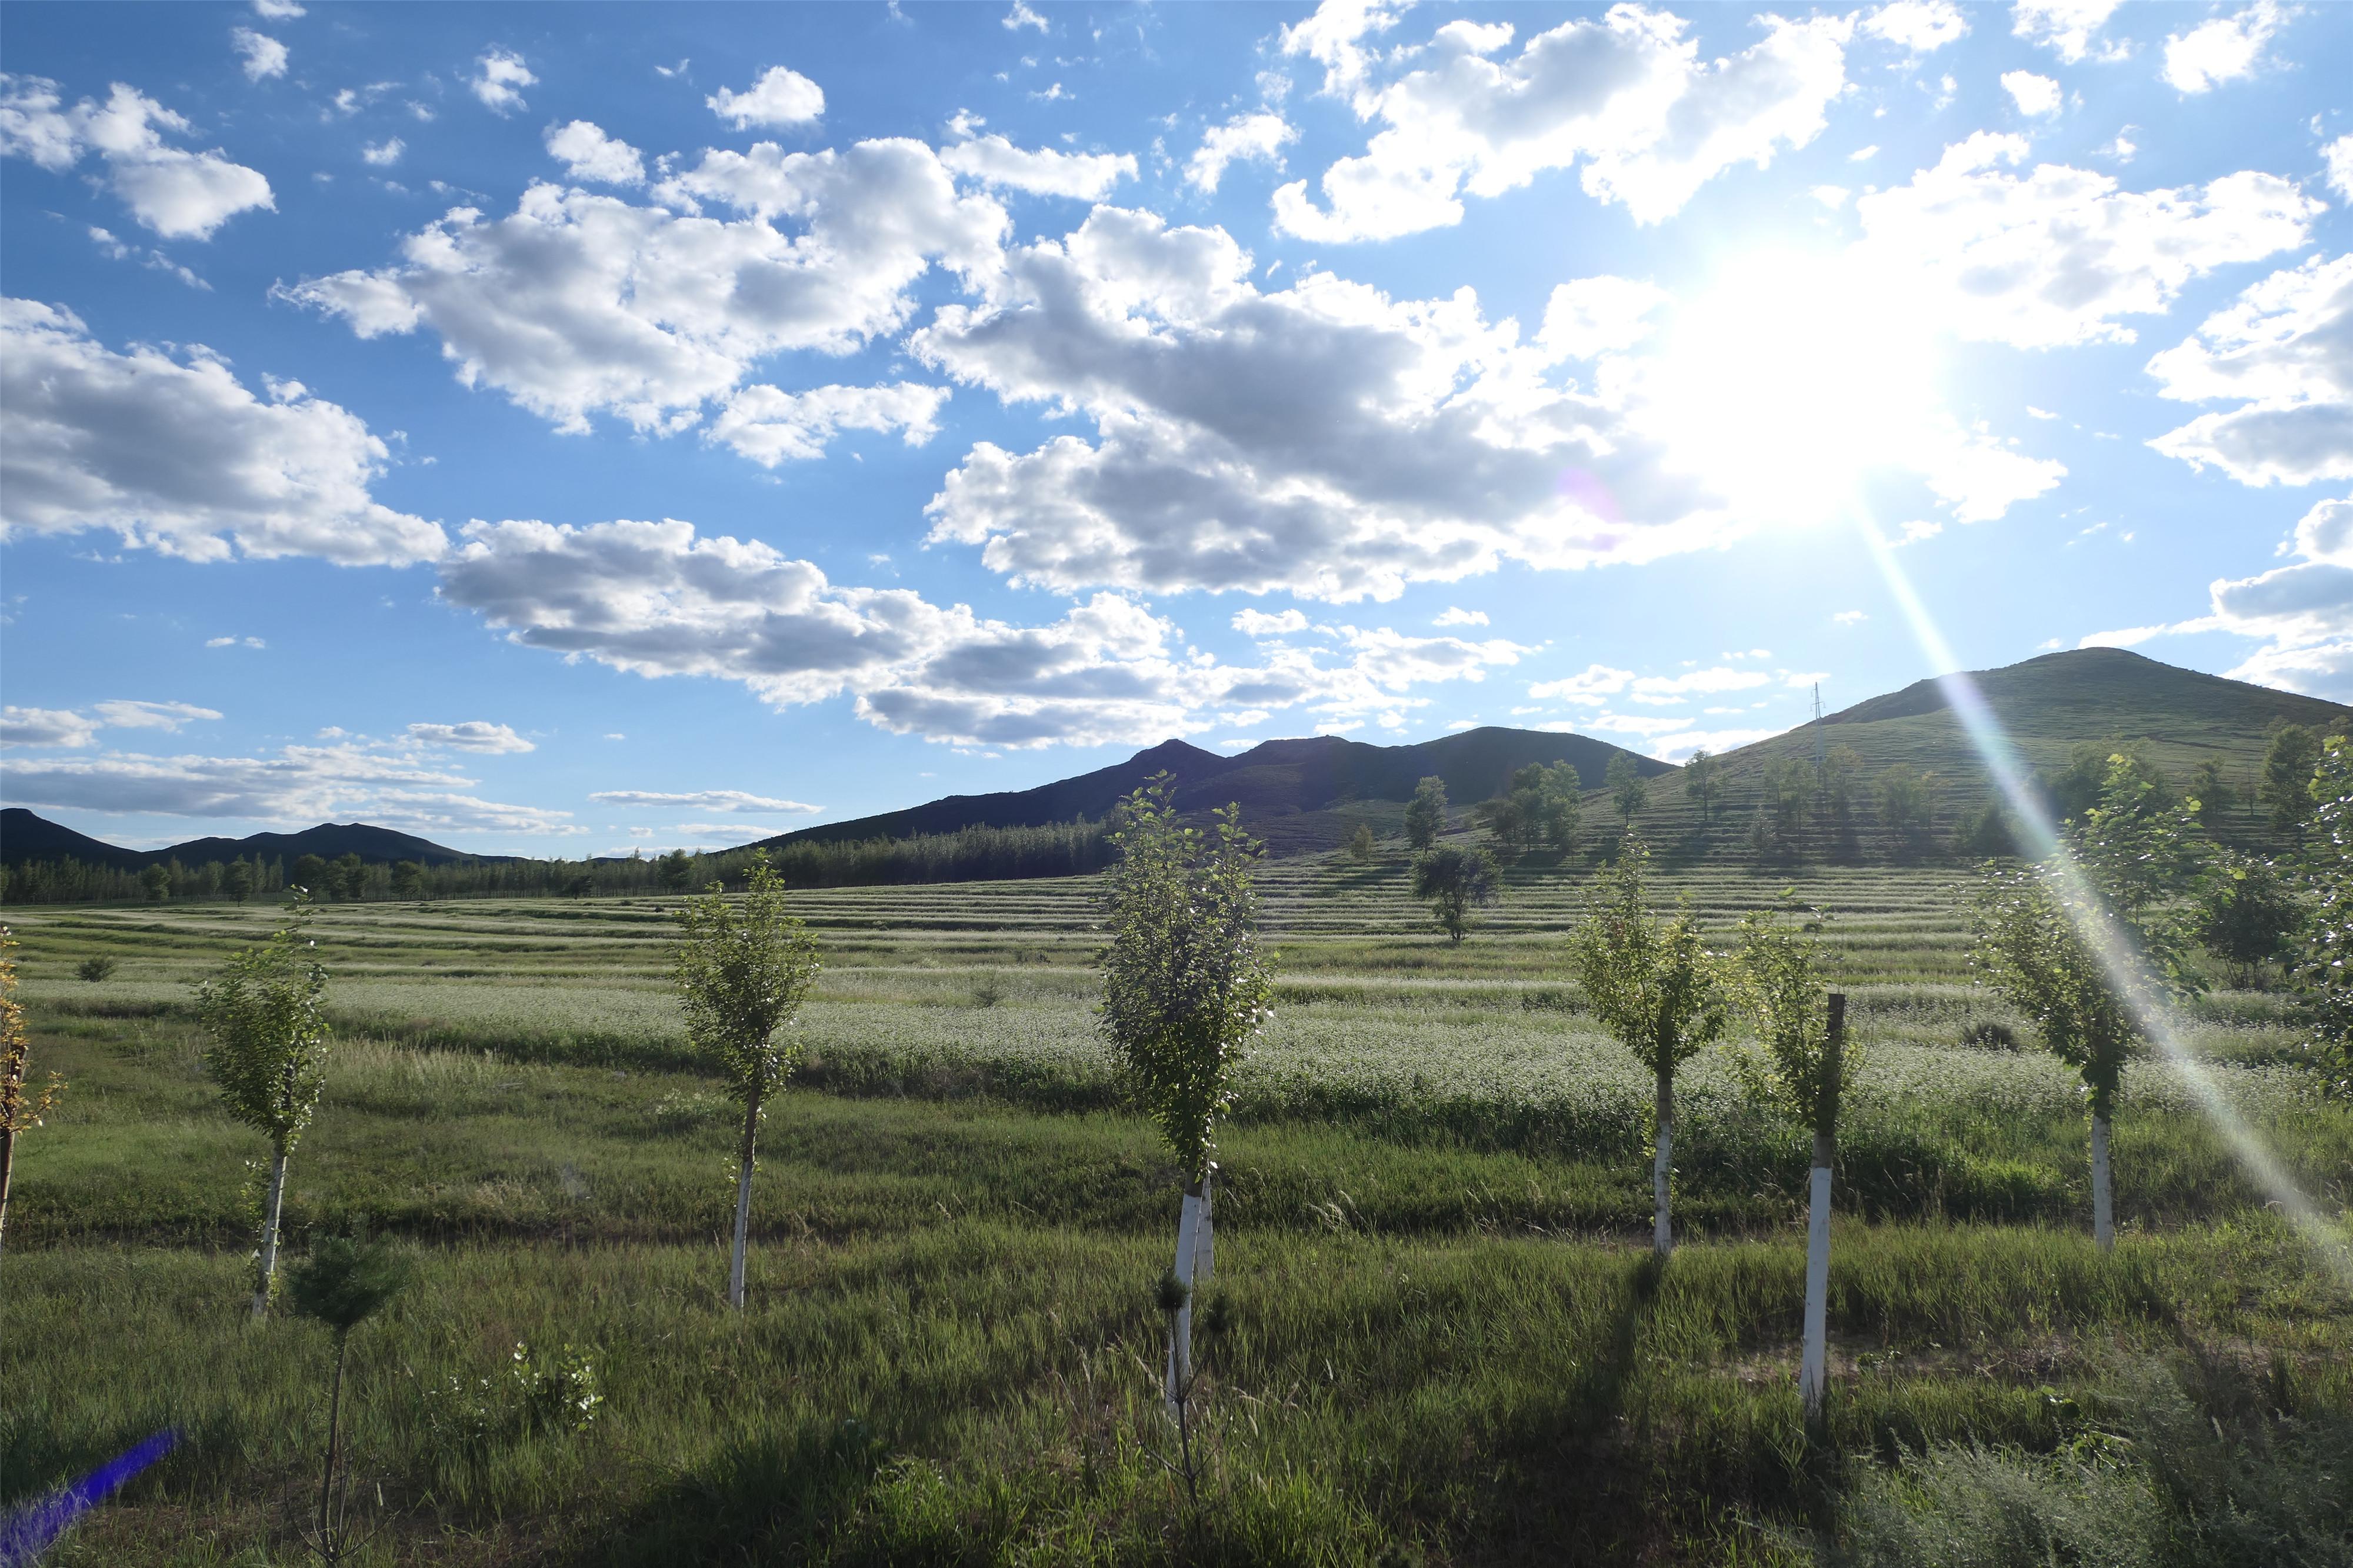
pixel 1791 379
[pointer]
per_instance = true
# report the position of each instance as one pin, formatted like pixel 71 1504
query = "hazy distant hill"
pixel 26 836
pixel 1297 795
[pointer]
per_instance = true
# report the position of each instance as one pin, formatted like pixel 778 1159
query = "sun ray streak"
pixel 2152 1014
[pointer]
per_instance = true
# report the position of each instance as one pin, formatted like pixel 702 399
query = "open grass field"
pixel 1435 1335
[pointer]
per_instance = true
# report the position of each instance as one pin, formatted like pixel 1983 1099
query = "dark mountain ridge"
pixel 1271 781
pixel 24 835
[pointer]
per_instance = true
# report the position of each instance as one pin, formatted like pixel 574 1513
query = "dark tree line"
pixel 974 854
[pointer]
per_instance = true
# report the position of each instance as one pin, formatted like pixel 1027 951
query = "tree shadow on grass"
pixel 776 1496
pixel 1569 1486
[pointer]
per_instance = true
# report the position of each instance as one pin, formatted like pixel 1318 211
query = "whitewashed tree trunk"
pixel 742 1205
pixel 1196 1249
pixel 1663 1235
pixel 1814 1370
pixel 2104 1207
pixel 272 1207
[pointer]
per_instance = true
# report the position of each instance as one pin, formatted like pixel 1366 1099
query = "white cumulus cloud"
pixel 2052 257
pixel 500 77
pixel 2283 353
pixel 657 599
pixel 2226 48
pixel 1625 96
pixel 771 427
pixel 580 302
pixel 2034 95
pixel 177 194
pixel 587 153
pixel 473 735
pixel 1257 138
pixel 2066 27
pixel 264 55
pixel 1082 176
pixel 176 454
pixel 1920 26
pixel 781 95
pixel 1325 439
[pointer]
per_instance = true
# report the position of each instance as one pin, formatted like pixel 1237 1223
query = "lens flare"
pixel 32 1530
pixel 2150 1014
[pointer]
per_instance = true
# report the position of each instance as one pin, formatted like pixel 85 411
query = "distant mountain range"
pixel 26 836
pixel 1294 794
pixel 1304 794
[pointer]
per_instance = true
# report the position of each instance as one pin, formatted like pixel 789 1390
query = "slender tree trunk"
pixel 1813 1372
pixel 744 1201
pixel 1663 1235
pixel 334 1426
pixel 1195 1243
pixel 2103 1204
pixel 272 1209
pixel 7 1171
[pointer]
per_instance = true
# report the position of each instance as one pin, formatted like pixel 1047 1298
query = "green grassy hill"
pixel 2047 706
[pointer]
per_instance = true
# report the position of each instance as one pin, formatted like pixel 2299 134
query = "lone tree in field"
pixel 1628 789
pixel 1700 776
pixel 1453 881
pixel 342 1284
pixel 1425 818
pixel 20 1111
pixel 741 974
pixel 1653 985
pixel 1361 845
pixel 1797 1070
pixel 265 1012
pixel 1185 989
pixel 2079 945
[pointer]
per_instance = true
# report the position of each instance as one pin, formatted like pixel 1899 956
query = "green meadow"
pixel 1435 1334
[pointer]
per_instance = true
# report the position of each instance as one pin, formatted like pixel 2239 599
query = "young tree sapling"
pixel 265 1010
pixel 741 974
pixel 1186 988
pixel 1653 985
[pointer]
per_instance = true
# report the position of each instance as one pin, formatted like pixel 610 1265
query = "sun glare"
pixel 1791 379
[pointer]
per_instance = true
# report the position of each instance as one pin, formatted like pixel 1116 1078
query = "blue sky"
pixel 558 430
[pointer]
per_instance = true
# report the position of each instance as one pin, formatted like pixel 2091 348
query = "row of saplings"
pixel 1186 987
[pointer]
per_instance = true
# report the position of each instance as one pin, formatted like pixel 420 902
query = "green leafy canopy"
pixel 265 1012
pixel 1650 981
pixel 742 973
pixel 1185 986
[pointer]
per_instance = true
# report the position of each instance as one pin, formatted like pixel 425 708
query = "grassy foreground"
pixel 1434 1337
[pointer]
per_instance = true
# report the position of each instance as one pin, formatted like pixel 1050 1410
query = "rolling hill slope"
pixel 2048 706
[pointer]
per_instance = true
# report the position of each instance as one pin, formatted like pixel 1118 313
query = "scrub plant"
pixel 342 1284
pixel 741 974
pixel 265 1012
pixel 1185 987
pixel 1651 984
